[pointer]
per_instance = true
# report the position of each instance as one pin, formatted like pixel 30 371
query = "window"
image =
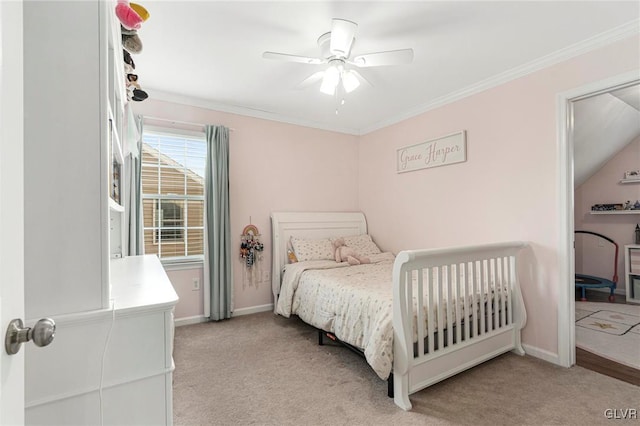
pixel 167 221
pixel 173 195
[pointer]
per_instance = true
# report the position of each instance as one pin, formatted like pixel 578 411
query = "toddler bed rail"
pixel 471 311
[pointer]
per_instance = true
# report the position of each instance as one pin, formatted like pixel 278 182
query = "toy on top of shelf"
pixel 128 69
pixel 141 11
pixel 132 43
pixel 134 91
pixel 128 60
pixel 139 95
pixel 133 84
pixel 128 17
pixel 127 31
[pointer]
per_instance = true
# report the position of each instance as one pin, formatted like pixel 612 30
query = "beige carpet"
pixel 263 369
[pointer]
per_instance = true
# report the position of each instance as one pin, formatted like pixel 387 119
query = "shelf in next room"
pixel 617 212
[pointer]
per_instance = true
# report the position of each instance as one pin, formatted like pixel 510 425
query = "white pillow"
pixel 321 249
pixel 363 244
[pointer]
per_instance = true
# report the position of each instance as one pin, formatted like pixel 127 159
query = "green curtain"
pixel 217 264
pixel 133 175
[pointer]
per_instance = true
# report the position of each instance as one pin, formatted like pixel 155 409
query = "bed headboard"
pixel 310 225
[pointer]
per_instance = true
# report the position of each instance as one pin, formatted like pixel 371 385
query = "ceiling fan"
pixel 336 48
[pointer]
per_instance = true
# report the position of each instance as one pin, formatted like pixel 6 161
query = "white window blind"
pixel 173 195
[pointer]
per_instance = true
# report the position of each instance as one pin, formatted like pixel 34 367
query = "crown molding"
pixel 621 32
pixel 244 111
pixel 603 39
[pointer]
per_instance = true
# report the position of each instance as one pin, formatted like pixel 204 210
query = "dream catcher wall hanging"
pixel 251 254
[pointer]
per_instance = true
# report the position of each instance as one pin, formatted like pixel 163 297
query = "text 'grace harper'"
pixel 432 155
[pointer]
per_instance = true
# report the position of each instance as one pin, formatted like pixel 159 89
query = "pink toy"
pixel 127 16
pixel 348 254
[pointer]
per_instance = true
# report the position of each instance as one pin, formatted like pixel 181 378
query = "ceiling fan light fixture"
pixel 350 81
pixel 327 90
pixel 330 80
pixel 335 47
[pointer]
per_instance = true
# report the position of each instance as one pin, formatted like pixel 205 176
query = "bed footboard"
pixel 471 310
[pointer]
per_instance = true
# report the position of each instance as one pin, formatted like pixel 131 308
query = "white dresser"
pixel 112 363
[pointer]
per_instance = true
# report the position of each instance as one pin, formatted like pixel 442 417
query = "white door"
pixel 11 207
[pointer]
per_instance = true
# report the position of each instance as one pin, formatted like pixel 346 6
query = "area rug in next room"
pixel 610 330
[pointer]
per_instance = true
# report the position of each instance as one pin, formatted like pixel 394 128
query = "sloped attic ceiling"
pixel 603 125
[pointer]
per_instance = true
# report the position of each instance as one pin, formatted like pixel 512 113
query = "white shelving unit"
pixel 631 279
pixel 66 167
pixel 116 97
pixel 111 360
pixel 115 207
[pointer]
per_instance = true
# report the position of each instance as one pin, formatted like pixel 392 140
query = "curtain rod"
pixel 188 123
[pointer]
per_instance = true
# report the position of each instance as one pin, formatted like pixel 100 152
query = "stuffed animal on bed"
pixel 348 254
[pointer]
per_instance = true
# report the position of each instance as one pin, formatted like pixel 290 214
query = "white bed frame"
pixel 463 271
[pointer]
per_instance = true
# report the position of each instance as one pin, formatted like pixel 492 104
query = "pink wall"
pixel 604 187
pixel 273 167
pixel 506 190
pixel 191 303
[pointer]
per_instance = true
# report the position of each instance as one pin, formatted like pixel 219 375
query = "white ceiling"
pixel 211 51
pixel 629 95
pixel 603 126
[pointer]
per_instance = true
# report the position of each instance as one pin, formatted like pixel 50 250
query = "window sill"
pixel 183 263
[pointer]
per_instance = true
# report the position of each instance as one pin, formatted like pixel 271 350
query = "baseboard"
pixel 542 354
pixel 252 310
pixel 236 313
pixel 189 320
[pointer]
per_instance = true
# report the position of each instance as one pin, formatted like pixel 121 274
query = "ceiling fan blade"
pixel 361 77
pixel 377 59
pixel 342 34
pixel 313 78
pixel 292 58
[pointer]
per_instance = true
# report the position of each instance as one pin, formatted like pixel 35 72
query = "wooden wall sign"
pixel 442 151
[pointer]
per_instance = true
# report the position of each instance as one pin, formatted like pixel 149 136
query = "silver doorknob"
pixel 42 334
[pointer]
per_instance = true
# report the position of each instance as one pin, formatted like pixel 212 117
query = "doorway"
pixel 569 161
pixel 606 143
